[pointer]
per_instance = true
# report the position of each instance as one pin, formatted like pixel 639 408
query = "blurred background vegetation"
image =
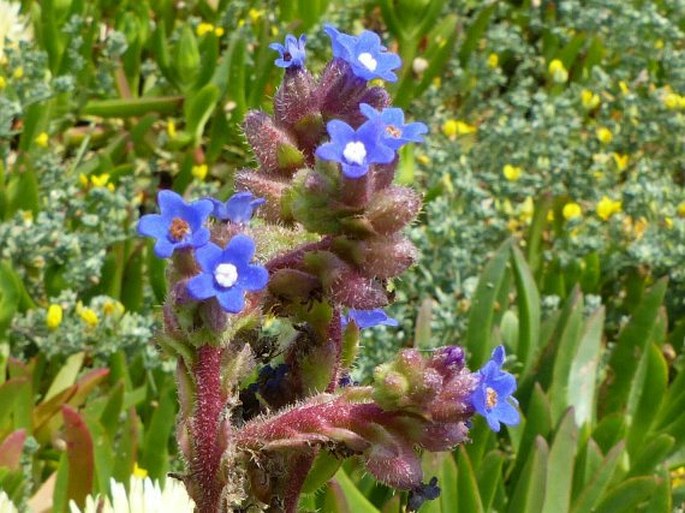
pixel 554 223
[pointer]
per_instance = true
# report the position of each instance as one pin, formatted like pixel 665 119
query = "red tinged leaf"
pixel 10 449
pixel 79 455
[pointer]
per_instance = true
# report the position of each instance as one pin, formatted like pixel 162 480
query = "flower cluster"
pixel 225 273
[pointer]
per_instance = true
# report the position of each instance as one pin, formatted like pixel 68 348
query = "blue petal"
pixel 354 171
pixel 219 209
pixel 369 111
pixel 201 287
pixel 197 213
pixel 253 277
pixel 498 355
pixel 493 422
pixel 240 249
pixel 393 116
pixel 240 207
pixel 370 318
pixel 209 257
pixel 164 248
pixel 197 239
pixel 170 203
pixel 329 151
pixel 369 42
pixel 278 47
pixel 231 300
pixel 339 131
pixel 507 414
pixel 153 225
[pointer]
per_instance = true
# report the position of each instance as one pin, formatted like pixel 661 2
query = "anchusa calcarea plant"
pixel 264 314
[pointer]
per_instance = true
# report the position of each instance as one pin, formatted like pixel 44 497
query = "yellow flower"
pixel 83 179
pixel 18 73
pixel 423 159
pixel 668 222
pixel 608 207
pixel 550 215
pixel 589 99
pixel 99 180
pixel 219 31
pixel 621 161
pixel 604 135
pixel 453 127
pixel 673 101
pixel 3 83
pixel 512 173
pixel 571 210
pixel 88 316
pixel 171 129
pixel 43 139
pixel 558 71
pixel 199 171
pixel 138 471
pixel 659 44
pixel 527 209
pixel 112 308
pixel 54 316
pixel 493 60
pixel 678 477
pixel 204 28
pixel 681 209
pixel 255 15
pixel 513 225
pixel 624 87
pixel 274 30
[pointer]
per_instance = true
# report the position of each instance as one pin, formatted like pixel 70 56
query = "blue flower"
pixel 227 273
pixel 355 149
pixel 365 54
pixel 492 397
pixel 292 53
pixel 238 208
pixel 396 133
pixel 179 225
pixel 367 318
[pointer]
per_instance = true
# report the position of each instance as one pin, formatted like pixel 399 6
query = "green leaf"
pixel 652 453
pixel 481 316
pixel 198 108
pixel 581 393
pixel 324 467
pixel 132 107
pixel 475 32
pixel 346 497
pixel 529 492
pixel 132 283
pixel 155 457
pixel 422 332
pixel 627 496
pixel 561 457
pixel 599 481
pixel 631 345
pixel 490 477
pixel 662 499
pixel 528 302
pixel 467 486
pixel 66 376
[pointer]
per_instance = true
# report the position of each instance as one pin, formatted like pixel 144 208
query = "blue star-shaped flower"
pixel 292 52
pixel 396 133
pixel 367 318
pixel 227 273
pixel 492 397
pixel 238 208
pixel 365 54
pixel 355 149
pixel 179 225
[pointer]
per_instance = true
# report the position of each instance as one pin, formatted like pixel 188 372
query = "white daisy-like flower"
pixel 144 497
pixel 13 26
pixel 6 505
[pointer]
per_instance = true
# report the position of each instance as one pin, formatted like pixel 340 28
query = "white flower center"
pixel 355 152
pixel 367 60
pixel 226 275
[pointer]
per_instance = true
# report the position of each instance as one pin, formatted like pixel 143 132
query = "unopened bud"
pixel 385 257
pixel 273 146
pixel 271 188
pixel 296 98
pixel 392 209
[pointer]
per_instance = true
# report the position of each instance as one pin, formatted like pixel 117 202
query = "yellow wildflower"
pixel 42 140
pixel 513 225
pixel 558 71
pixel 3 83
pixel 678 477
pixel 589 99
pixel 110 187
pixel 453 127
pixel 423 159
pixel 608 207
pixel 527 209
pixel 199 171
pixel 604 135
pixel 550 216
pixel 512 173
pixel 668 222
pixel 138 471
pixel 493 60
pixel 219 31
pixel 255 15
pixel 621 161
pixel 171 129
pixel 571 210
pixel 100 180
pixel 659 44
pixel 88 316
pixel 274 30
pixel 83 180
pixel 112 308
pixel 54 316
pixel 674 101
pixel 437 82
pixel 640 227
pixel 624 87
pixel 204 28
pixel 18 73
pixel 681 209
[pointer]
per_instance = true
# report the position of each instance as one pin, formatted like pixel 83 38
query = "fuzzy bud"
pixel 396 465
pixel 385 257
pixel 293 285
pixel 273 146
pixel 271 188
pixel 392 209
pixel 296 98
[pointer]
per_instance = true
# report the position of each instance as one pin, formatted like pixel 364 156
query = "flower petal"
pixel 201 287
pixel 208 256
pixel 240 249
pixel 153 225
pixel 253 277
pixel 232 300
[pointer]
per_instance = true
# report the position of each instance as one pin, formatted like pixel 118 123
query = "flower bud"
pixel 396 464
pixel 385 257
pixel 271 188
pixel 439 436
pixel 392 209
pixel 296 98
pixel 339 89
pixel 293 285
pixel 273 146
